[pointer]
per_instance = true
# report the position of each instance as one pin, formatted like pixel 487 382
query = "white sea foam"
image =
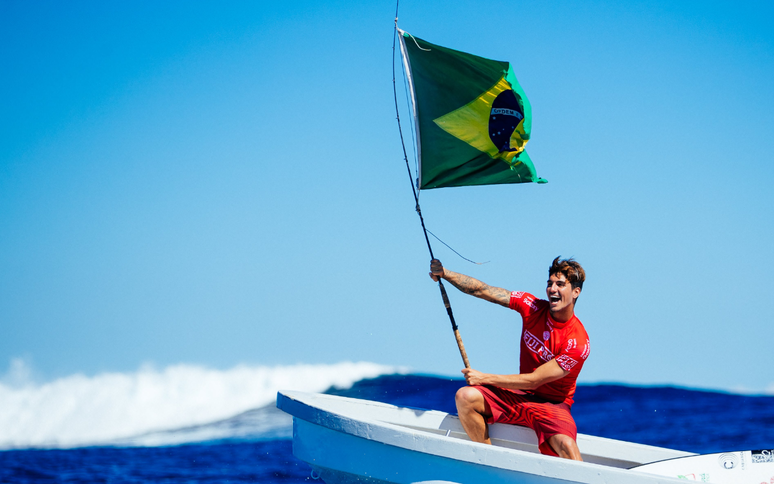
pixel 112 407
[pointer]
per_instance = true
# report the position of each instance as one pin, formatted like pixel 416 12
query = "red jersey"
pixel 543 339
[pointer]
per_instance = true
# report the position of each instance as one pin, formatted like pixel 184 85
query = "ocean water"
pixel 215 434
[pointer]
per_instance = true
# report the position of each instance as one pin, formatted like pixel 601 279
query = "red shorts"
pixel 545 418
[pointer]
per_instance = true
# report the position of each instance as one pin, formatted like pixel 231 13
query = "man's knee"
pixel 471 408
pixel 469 398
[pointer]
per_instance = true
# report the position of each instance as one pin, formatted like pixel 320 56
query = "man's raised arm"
pixel 469 285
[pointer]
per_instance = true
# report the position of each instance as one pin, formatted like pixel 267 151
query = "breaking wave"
pixel 181 403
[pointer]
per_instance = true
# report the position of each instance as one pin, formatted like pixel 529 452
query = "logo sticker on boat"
pixel 762 456
pixel 728 460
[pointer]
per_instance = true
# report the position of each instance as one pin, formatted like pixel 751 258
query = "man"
pixel 554 346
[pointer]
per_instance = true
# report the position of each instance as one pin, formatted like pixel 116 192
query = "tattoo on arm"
pixel 474 287
pixel 467 284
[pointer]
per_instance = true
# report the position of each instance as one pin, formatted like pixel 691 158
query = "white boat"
pixel 348 440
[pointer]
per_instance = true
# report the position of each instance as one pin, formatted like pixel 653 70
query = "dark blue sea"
pixel 255 446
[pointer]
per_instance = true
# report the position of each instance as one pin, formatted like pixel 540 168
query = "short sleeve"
pixel 523 302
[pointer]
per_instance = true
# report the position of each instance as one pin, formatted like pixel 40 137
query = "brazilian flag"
pixel 472 118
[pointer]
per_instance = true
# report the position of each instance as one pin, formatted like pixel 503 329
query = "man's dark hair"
pixel 572 271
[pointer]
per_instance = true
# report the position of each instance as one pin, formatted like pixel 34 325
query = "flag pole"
pixel 444 296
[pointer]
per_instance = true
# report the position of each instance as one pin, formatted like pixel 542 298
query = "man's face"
pixel 560 293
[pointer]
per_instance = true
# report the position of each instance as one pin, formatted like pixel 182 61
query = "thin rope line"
pixel 417 43
pixel 452 249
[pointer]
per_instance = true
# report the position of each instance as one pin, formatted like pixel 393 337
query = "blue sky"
pixel 198 182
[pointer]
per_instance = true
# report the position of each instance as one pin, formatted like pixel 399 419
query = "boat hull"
pixel 347 440
pixel 340 458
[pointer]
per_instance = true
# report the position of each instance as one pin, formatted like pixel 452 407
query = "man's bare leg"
pixel 565 446
pixel 471 409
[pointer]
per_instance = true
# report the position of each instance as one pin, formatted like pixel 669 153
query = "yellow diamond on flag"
pixel 492 123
